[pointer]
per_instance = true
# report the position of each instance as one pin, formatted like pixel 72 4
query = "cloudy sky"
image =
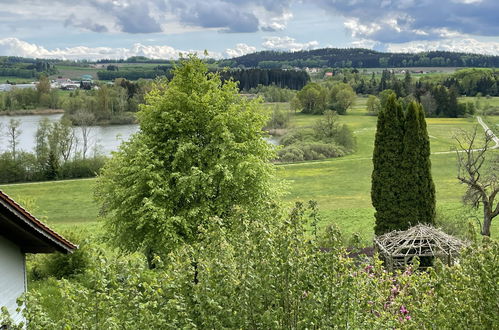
pixel 95 29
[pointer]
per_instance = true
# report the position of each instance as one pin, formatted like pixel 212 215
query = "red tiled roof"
pixel 41 230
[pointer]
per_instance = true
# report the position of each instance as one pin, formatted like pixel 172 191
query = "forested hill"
pixel 362 58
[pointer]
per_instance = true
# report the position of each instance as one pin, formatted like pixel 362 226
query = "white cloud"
pixel 274 23
pixel 358 29
pixel 16 47
pixel 287 43
pixel 466 45
pixel 364 43
pixel 240 50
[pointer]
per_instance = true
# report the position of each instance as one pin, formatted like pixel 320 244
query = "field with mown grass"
pixel 341 186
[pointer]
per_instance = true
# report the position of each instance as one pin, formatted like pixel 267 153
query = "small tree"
pixel 342 97
pixel 312 98
pixel 13 133
pixel 326 128
pixel 373 105
pixel 84 119
pixel 478 169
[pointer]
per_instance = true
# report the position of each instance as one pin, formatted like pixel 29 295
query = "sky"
pixel 112 29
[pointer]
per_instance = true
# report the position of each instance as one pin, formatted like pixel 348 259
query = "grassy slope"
pixel 341 186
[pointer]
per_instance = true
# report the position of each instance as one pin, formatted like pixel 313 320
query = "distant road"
pixel 487 130
pixel 489 133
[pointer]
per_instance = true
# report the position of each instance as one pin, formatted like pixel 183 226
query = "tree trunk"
pixel 487 220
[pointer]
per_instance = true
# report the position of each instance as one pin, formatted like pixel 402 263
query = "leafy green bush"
pixel 60 265
pixel 269 274
pixel 310 151
pixel 296 136
pixel 81 168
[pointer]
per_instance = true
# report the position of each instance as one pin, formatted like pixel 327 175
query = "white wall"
pixel 12 276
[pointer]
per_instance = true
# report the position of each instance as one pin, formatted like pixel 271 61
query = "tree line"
pixel 438 95
pixel 360 58
pixel 247 78
pixel 113 103
pixel 25 68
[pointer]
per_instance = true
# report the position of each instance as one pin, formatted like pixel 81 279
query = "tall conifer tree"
pixel 403 192
pixel 427 192
pixel 388 147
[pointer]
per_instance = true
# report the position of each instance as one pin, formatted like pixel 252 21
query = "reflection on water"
pixel 103 138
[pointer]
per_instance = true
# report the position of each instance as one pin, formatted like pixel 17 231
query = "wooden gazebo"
pixel 398 248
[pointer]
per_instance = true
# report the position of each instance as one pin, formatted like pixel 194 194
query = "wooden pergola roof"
pixel 421 240
pixel 25 230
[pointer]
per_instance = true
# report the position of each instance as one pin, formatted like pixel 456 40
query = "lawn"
pixel 341 186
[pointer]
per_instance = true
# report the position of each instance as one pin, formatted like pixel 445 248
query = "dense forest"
pixel 25 67
pixel 360 58
pixel 247 78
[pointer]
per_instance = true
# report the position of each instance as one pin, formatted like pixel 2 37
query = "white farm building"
pixel 21 233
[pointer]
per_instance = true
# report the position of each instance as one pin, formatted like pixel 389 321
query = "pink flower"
pixel 394 290
pixel 408 317
pixel 403 310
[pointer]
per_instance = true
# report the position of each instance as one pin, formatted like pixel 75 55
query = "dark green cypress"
pixel 403 192
pixel 386 187
pixel 427 187
pixel 411 203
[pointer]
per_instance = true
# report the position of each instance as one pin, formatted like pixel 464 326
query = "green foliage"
pixel 268 274
pixel 417 204
pixel 387 182
pixel 60 265
pixel 373 105
pixel 312 98
pixel 327 139
pixel 310 151
pixel 273 93
pixel 402 192
pixel 199 154
pixel 341 97
pixel 279 118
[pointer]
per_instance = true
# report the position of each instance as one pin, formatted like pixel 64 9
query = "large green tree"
pixel 403 192
pixel 387 187
pixel 199 154
pixel 418 194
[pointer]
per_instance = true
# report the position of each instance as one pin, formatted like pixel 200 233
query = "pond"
pixel 102 138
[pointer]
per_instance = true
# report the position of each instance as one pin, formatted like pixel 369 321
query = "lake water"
pixel 102 138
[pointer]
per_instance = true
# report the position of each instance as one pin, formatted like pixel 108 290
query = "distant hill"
pixel 360 58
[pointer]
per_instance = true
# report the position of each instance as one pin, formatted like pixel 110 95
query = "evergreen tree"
pixel 418 199
pixel 386 177
pixel 426 181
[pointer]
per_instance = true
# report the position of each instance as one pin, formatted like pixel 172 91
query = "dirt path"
pixel 489 133
pixel 487 130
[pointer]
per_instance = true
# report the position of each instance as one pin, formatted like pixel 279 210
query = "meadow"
pixel 341 186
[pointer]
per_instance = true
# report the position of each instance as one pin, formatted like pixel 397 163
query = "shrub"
pixel 310 151
pixel 81 168
pixel 60 265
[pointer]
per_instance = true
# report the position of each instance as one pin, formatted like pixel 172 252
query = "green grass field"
pixel 74 72
pixel 17 80
pixel 341 186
